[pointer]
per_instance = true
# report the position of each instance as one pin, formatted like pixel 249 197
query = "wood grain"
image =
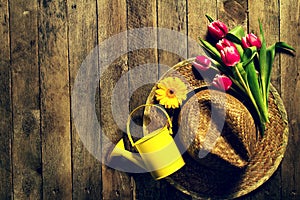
pixel 82 31
pixel 172 15
pixel 197 22
pixel 5 105
pixel 27 166
pixel 142 14
pixel 232 12
pixel 111 21
pixel 290 83
pixel 55 100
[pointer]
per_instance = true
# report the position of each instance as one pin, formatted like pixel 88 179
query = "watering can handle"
pixel 144 105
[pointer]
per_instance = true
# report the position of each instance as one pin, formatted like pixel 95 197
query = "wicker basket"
pixel 256 160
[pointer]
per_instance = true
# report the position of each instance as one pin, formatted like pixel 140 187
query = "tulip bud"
pixel 222 82
pixel 217 29
pixel 251 40
pixel 201 63
pixel 229 53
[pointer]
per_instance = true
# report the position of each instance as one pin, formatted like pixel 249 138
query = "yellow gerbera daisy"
pixel 171 92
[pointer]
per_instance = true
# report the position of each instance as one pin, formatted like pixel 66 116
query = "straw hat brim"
pixel 202 182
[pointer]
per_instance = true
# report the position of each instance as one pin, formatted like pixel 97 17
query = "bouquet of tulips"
pixel 243 60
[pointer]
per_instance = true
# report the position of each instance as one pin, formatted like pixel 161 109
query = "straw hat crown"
pixel 228 135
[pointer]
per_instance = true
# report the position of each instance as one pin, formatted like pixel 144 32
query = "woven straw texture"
pixel 256 162
pixel 231 144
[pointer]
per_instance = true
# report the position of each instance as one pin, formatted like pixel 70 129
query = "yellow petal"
pixel 160 92
pixel 176 103
pixel 181 97
pixel 163 101
pixel 161 86
pixel 159 97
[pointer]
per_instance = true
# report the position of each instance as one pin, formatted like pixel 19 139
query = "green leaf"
pixel 262 128
pixel 264 68
pixel 256 91
pixel 249 55
pixel 270 56
pixel 211 49
pixel 209 18
pixel 283 45
pixel 240 50
pixel 236 34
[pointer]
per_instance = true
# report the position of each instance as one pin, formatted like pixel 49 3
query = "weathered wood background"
pixel 42 44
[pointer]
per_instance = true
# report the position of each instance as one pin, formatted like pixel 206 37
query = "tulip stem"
pixel 247 90
pixel 214 68
pixel 241 78
pixel 238 85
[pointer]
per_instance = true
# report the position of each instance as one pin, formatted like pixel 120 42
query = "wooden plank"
pixel 142 14
pixel 5 105
pixel 232 12
pixel 290 89
pixel 55 100
pixel 197 22
pixel 82 39
pixel 111 21
pixel 27 166
pixel 268 13
pixel 171 15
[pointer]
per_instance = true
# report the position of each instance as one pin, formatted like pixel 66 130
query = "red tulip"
pixel 201 63
pixel 217 29
pixel 229 53
pixel 222 82
pixel 251 40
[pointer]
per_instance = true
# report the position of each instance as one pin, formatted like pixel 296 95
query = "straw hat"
pixel 237 162
pixel 229 145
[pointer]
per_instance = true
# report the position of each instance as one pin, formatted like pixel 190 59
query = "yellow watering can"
pixel 158 152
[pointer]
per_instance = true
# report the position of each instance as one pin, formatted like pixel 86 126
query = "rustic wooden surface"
pixel 42 45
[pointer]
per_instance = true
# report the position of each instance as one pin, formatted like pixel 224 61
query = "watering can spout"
pixel 120 150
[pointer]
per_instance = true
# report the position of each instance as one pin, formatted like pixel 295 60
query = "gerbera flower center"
pixel 170 93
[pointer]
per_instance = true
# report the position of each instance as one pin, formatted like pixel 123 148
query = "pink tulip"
pixel 222 82
pixel 217 29
pixel 251 40
pixel 201 63
pixel 229 53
